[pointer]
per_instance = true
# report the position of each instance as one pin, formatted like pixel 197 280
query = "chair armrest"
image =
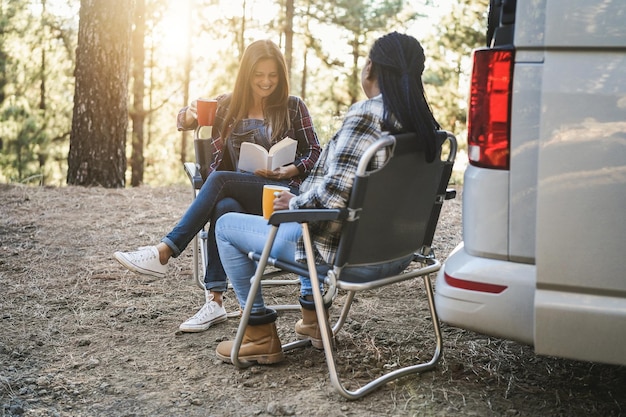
pixel 193 173
pixel 307 215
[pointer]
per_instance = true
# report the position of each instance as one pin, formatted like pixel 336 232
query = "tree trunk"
pixel 138 113
pixel 354 82
pixel 305 51
pixel 242 31
pixel 289 13
pixel 42 154
pixel 304 75
pixel 100 117
pixel 184 135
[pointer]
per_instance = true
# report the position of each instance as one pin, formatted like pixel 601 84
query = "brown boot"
pixel 308 327
pixel 260 342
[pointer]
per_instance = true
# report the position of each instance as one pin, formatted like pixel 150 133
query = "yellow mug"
pixel 269 194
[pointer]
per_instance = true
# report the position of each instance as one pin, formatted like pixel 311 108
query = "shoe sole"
pixel 202 327
pixel 121 259
pixel 316 343
pixel 260 359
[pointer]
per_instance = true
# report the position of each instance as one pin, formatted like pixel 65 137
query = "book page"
pixel 283 153
pixel 252 157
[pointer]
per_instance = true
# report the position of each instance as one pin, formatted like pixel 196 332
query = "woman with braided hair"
pixel 391 79
pixel 400 83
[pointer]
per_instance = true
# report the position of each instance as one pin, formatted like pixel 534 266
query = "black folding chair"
pixel 392 213
pixel 194 174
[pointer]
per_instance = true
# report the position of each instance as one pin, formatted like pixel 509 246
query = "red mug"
pixel 206 111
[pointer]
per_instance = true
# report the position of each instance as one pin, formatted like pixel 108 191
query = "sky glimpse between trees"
pixel 190 49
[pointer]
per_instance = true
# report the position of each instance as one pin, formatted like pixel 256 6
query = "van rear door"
pixel 580 303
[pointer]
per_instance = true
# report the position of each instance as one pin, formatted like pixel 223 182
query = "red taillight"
pixel 474 285
pixel 488 121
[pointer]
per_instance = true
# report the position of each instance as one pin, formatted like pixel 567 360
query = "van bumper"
pixel 488 296
pixel 581 326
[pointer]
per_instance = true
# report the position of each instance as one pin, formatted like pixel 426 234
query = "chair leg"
pixel 201 240
pixel 194 176
pixel 198 269
pixel 344 312
pixel 327 338
pixel 255 285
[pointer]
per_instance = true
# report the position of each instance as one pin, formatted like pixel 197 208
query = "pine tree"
pixel 100 118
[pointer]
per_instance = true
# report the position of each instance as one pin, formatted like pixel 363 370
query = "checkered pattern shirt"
pixel 330 181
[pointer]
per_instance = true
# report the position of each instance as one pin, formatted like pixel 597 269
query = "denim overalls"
pixel 248 130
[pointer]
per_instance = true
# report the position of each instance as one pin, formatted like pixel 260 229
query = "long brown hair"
pixel 275 110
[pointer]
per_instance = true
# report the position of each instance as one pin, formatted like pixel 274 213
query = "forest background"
pixel 89 89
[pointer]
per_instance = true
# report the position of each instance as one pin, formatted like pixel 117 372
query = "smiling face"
pixel 265 78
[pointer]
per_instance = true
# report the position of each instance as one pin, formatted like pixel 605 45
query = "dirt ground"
pixel 81 336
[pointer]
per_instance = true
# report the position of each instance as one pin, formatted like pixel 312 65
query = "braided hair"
pixel 398 64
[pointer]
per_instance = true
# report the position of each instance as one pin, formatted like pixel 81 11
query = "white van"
pixel 543 257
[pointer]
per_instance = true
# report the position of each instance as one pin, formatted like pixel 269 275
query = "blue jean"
pixel 238 234
pixel 222 192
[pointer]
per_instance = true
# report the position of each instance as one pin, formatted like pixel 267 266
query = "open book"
pixel 253 156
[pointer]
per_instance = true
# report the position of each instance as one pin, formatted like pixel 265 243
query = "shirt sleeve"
pixel 180 121
pixel 309 148
pixel 359 130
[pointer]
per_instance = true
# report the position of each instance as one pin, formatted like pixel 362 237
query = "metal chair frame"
pixel 430 198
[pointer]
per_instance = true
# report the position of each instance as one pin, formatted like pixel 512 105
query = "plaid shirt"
pixel 331 179
pixel 302 130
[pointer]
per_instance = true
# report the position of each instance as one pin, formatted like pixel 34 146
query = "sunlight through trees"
pixel 179 50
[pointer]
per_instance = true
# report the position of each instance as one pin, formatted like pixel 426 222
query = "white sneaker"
pixel 143 261
pixel 211 313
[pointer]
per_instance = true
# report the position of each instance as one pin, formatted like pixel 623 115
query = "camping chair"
pixel 194 172
pixel 392 213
